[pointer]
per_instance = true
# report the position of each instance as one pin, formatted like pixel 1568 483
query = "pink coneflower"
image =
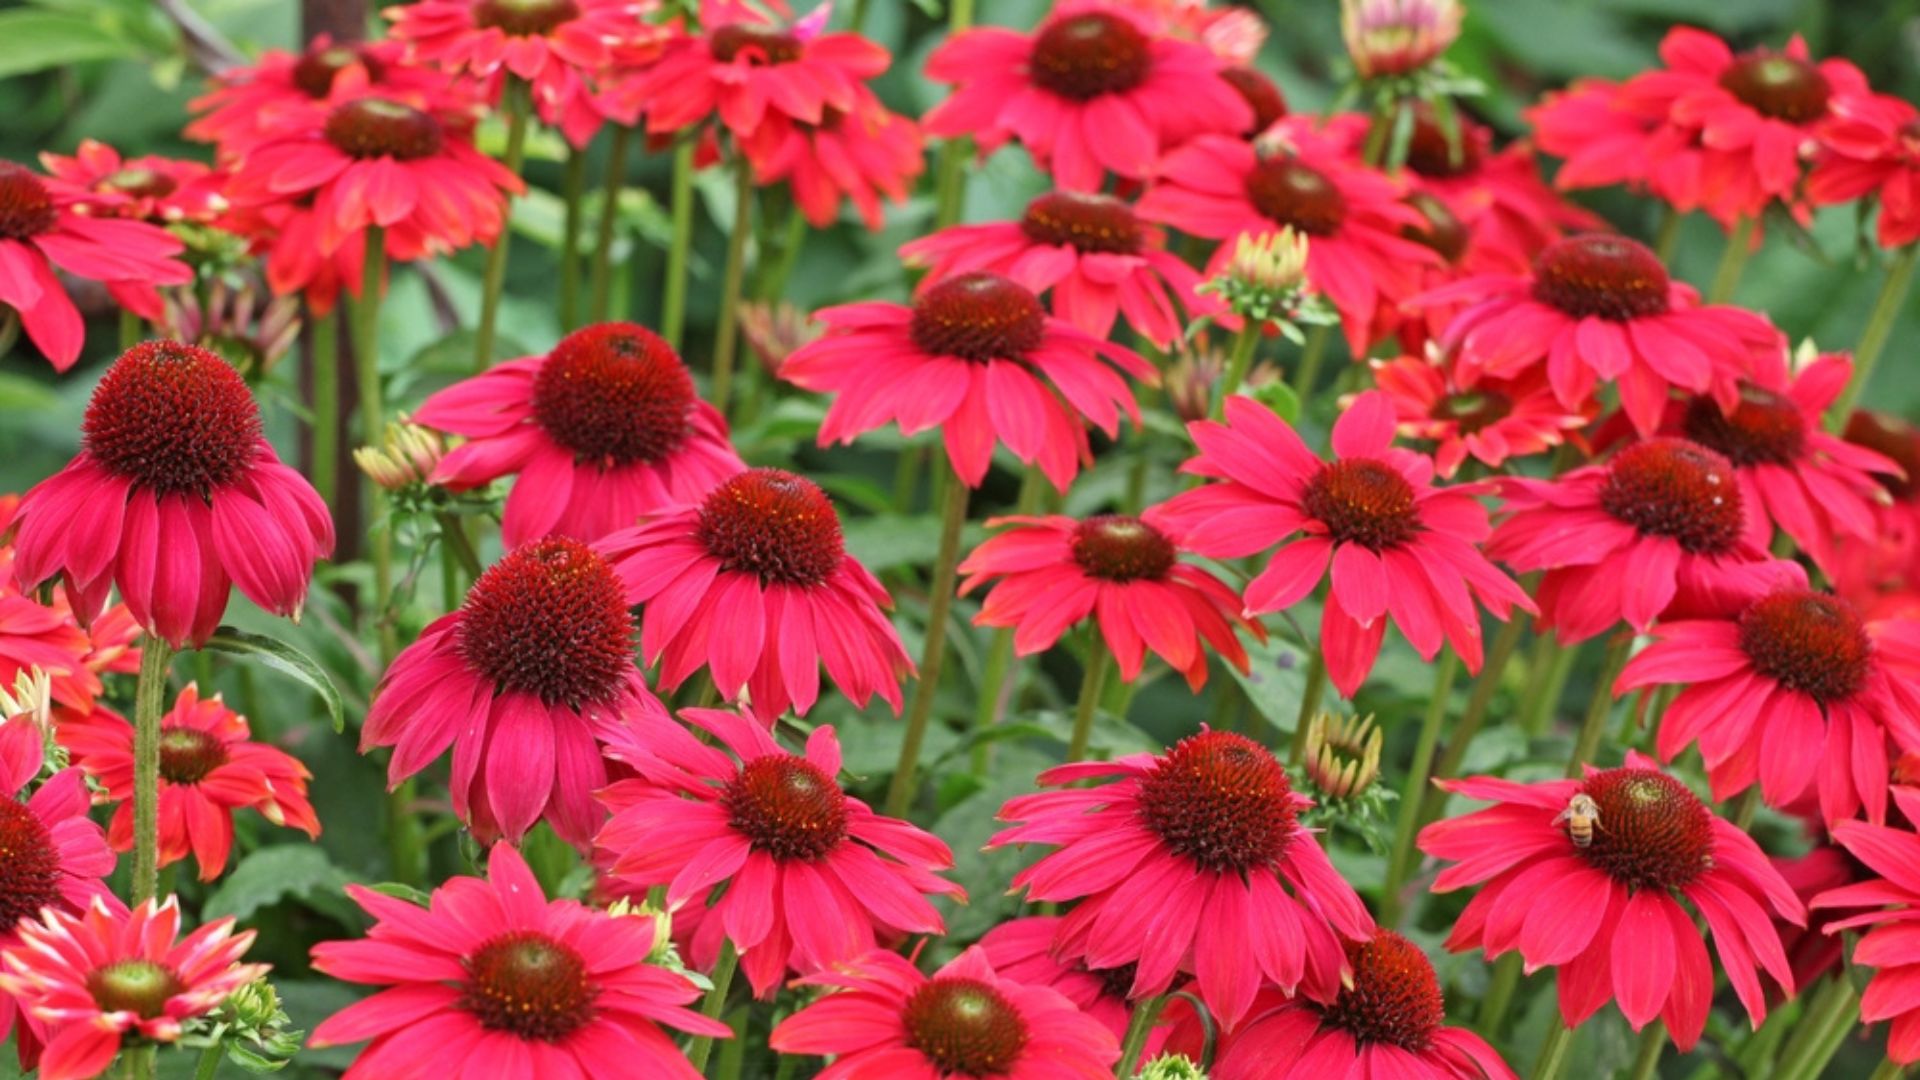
pixel 43 226
pixel 755 585
pixel 1022 950
pixel 1602 142
pixel 1792 689
pixel 604 429
pixel 1220 188
pixel 1097 87
pixel 978 357
pixel 1658 523
pixel 1601 307
pixel 209 768
pixel 1878 572
pixel 1399 548
pixel 887 1019
pixel 154 189
pixel 174 497
pixel 1871 146
pixel 251 102
pixel 1050 573
pixel 494 979
pixel 34 636
pixel 740 69
pixel 1233 34
pixel 1894 855
pixel 858 154
pixel 807 877
pixel 522 680
pixel 1608 913
pixel 554 46
pixel 1190 861
pixel 1099 260
pixel 100 977
pixel 1492 421
pixel 1390 1022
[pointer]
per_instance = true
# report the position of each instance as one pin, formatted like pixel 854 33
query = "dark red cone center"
pixel 614 394
pixel 1221 800
pixel 1442 230
pixel 315 71
pixel 376 127
pixel 1599 275
pixel 1652 833
pixel 550 619
pixel 978 317
pixel 1087 223
pixel 1474 411
pixel 1892 438
pixel 1261 95
pixel 1672 487
pixel 1430 153
pixel 758 46
pixel 525 18
pixel 29 865
pixel 965 1026
pixel 1395 997
pixel 1287 192
pixel 775 525
pixel 26 209
pixel 1807 641
pixel 173 418
pixel 787 807
pixel 527 984
pixel 1778 87
pixel 187 755
pixel 1363 501
pixel 1766 428
pixel 1119 547
pixel 1086 55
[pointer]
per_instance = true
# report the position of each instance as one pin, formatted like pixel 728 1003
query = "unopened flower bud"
pixel 1395 37
pixel 775 331
pixel 255 1005
pixel 662 925
pixel 407 457
pixel 1172 1067
pixel 1273 262
pixel 1343 754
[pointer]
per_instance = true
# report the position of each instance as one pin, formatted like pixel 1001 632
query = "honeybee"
pixel 1582 816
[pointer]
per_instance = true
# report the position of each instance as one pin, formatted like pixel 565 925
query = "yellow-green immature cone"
pixel 1343 754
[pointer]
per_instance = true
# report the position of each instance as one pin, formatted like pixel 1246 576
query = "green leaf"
pixel 39 40
pixel 273 874
pixel 401 891
pixel 286 659
pixel 1275 680
pixel 21 394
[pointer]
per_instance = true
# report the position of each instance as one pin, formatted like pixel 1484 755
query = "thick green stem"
pixel 1595 724
pixel 1099 659
pixel 1493 1007
pixel 727 335
pixel 1479 701
pixel 149 702
pixel 140 1062
pixel 373 423
pixel 950 172
pixel 953 517
pixel 1667 233
pixel 1821 1032
pixel 514 101
pixel 1886 312
pixel 673 313
pixel 1145 1014
pixel 573 190
pixel 1646 1061
pixel 131 330
pixel 1413 795
pixel 1310 696
pixel 1889 1070
pixel 716 1001
pixel 1312 356
pixel 209 1064
pixel 459 545
pixel 601 279
pixel 1547 673
pixel 324 356
pixel 1733 262
pixel 859 17
pixel 1239 361
pixel 1745 807
pixel 1553 1052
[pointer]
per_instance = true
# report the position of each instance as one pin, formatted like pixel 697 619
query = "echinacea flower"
pixel 1220 187
pixel 43 226
pixel 1397 37
pixel 761 848
pixel 286 237
pixel 755 585
pixel 886 1019
pixel 1792 689
pixel 1192 861
pixel 1492 421
pixel 1097 87
pixel 979 358
pixel 1871 146
pixel 858 154
pixel 600 431
pixel 1894 897
pixel 406 458
pixel 492 979
pixel 174 498
pixel 1659 522
pixel 522 680
pixel 1050 573
pixel 154 189
pixel 1608 914
pixel 1022 950
pixel 96 979
pixel 1602 142
pixel 209 768
pixel 35 637
pixel 1260 92
pixel 1601 307
pixel 1399 548
pixel 1877 572
pixel 1099 260
pixel 251 102
pixel 1391 1021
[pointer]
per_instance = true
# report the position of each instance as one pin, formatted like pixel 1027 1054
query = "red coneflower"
pixel 1397 548
pixel 765 851
pixel 1190 861
pixel 1049 573
pixel 1893 854
pixel 1097 257
pixel 1492 421
pixel 174 497
pixel 209 767
pixel 755 585
pixel 1022 950
pixel 493 979
pixel 522 680
pixel 978 357
pixel 154 189
pixel 1871 145
pixel 1097 87
pixel 287 236
pixel 34 637
pixel 603 430
pixel 251 102
pixel 106 975
pixel 1602 142
pixel 1608 913
pixel 858 154
pixel 887 1019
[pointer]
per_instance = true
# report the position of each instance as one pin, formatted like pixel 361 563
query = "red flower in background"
pixel 1871 146
pixel 859 154
pixel 1492 421
pixel 1022 950
pixel 35 637
pixel 209 768
pixel 1097 87
pixel 149 188
pixel 1603 143
pixel 1608 913
pixel 1893 854
pixel 252 102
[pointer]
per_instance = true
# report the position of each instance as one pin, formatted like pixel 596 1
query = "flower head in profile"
pixel 858 154
pixel 1397 37
pixel 107 975
pixel 521 680
pixel 1396 547
pixel 1492 421
pixel 884 1017
pixel 174 498
pixel 209 767
pixel 1098 87
pixel 1608 913
pixel 1892 900
pixel 252 102
pixel 1189 862
pixel 1050 573
pixel 1022 950
pixel 1871 146
pixel 155 189
pixel 977 357
pixel 754 584
pixel 38 641
pixel 493 976
pixel 601 431
pixel 759 847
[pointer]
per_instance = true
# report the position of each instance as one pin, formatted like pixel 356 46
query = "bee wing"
pixel 1563 816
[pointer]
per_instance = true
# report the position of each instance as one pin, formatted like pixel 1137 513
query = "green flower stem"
pixel 1595 724
pixel 1821 1030
pixel 513 100
pixel 323 355
pixel 601 277
pixel 131 330
pixel 459 545
pixel 1493 1007
pixel 1667 233
pixel 1312 357
pixel 1646 1061
pixel 1239 362
pixel 1547 672
pixel 209 1064
pixel 1099 660
pixel 1145 1014
pixel 859 18
pixel 673 314
pixel 1479 701
pixel 1886 311
pixel 727 335
pixel 1733 262
pixel 953 517
pixel 373 422
pixel 149 702
pixel 716 1000
pixel 573 189
pixel 1310 696
pixel 1414 793
pixel 1889 1070
pixel 950 173
pixel 994 691
pixel 1553 1052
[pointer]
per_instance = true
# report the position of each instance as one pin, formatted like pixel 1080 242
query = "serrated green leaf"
pixel 273 874
pixel 286 659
